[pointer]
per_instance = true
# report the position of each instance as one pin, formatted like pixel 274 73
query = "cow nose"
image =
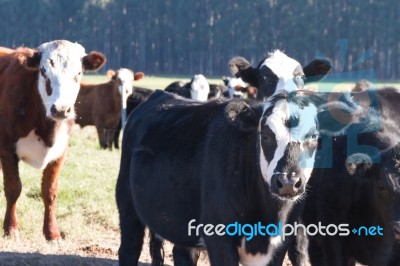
pixel 60 111
pixel 288 184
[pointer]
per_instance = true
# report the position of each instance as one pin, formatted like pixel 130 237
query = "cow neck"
pixel 45 128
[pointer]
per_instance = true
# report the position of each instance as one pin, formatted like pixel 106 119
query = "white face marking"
pixel 276 121
pixel 234 83
pixel 125 89
pixel 61 62
pixel 32 150
pixel 200 88
pixel 284 67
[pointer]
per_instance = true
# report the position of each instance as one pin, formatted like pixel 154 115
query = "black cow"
pixel 267 80
pixel 217 162
pixel 357 182
pixel 138 96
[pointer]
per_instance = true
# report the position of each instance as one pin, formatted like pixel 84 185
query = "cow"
pixel 361 85
pixel 236 88
pixel 267 81
pixel 357 182
pixel 138 96
pixel 38 89
pixel 197 89
pixel 100 104
pixel 232 88
pixel 217 162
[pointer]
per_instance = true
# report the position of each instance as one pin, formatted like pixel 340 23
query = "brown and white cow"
pixel 38 89
pixel 100 104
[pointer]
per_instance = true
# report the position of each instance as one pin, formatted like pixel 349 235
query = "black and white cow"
pixel 217 162
pixel 269 77
pixel 357 181
pixel 197 89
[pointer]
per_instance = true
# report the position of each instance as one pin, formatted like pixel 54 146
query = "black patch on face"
pixel 49 90
pixel 268 140
pixel 290 160
pixel 267 82
pixel 292 122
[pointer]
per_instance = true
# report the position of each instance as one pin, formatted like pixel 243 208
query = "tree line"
pixel 167 37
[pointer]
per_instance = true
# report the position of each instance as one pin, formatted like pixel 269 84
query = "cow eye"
pixel 51 62
pixel 314 136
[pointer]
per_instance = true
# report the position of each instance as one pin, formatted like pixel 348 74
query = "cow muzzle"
pixel 60 112
pixel 287 185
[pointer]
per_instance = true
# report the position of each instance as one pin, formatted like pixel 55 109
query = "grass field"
pixel 86 208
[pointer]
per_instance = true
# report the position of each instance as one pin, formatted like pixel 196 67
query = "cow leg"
pixel 222 251
pixel 132 229
pixel 102 133
pixel 49 195
pixel 298 250
pixel 110 138
pixel 116 135
pixel 156 250
pixel 12 190
pixel 184 256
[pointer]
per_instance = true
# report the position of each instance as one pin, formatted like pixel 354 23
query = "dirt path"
pixel 104 252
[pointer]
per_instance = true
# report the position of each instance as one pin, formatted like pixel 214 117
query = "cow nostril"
pixel 298 184
pixel 53 109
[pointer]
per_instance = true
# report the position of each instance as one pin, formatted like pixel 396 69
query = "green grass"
pixel 86 208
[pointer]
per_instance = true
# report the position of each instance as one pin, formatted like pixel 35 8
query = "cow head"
pixel 287 140
pixel 199 88
pixel 277 72
pixel 124 78
pixel 60 64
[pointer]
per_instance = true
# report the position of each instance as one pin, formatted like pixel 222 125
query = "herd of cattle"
pixel 203 152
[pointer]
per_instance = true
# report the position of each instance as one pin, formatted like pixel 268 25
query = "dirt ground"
pixel 67 253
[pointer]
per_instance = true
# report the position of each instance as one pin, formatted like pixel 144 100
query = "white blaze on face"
pixel 277 123
pixel 125 77
pixel 233 84
pixel 285 68
pixel 60 74
pixel 200 88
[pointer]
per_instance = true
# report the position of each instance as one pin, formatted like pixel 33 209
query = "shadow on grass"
pixel 38 259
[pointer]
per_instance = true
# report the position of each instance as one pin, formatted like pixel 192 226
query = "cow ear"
pixel 138 75
pixel 93 61
pixel 110 73
pixel 317 69
pixel 241 115
pixel 334 117
pixel 358 163
pixel 33 61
